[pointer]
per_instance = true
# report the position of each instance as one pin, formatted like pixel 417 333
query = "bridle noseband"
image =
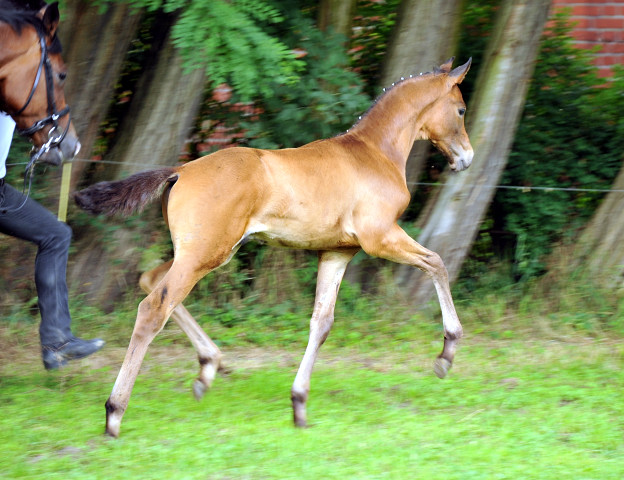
pixel 53 115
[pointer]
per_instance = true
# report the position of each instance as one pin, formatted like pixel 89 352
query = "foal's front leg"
pixel 331 268
pixel 395 245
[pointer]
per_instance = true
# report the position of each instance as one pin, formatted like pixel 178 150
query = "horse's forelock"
pixel 24 14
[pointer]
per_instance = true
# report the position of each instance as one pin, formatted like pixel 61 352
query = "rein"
pixel 53 116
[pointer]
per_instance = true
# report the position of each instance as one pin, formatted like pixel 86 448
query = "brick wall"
pixel 598 22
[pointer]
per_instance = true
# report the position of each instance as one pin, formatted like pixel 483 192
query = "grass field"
pixel 516 405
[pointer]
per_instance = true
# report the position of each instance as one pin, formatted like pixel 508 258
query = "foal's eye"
pixel 62 76
pixel 462 111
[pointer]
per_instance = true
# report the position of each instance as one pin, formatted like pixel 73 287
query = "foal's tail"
pixel 125 196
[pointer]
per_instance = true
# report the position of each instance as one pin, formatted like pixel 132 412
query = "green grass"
pixel 518 407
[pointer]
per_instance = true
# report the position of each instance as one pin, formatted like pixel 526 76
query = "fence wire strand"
pixel 522 188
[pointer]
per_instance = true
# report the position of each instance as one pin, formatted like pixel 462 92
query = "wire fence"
pixel 522 188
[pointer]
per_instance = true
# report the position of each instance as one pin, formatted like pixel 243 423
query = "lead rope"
pixel 28 175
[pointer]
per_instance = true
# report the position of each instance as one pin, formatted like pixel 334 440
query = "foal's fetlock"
pixel 114 415
pixel 444 362
pixel 208 368
pixel 299 409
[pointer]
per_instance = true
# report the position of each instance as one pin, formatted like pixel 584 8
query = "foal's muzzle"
pixel 461 159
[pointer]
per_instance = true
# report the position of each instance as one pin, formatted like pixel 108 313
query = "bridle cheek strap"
pixel 53 115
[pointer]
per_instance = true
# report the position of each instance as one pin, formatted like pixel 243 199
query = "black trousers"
pixel 35 224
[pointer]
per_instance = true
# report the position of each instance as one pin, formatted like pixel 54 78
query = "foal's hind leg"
pixel 152 315
pixel 207 351
pixel 331 268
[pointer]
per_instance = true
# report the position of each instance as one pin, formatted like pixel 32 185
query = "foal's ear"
pixel 49 15
pixel 445 67
pixel 458 74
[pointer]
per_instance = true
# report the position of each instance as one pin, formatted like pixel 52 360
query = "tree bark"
pixel 94 49
pixel 600 251
pixel 425 35
pixel 152 133
pixel 337 15
pixel 161 115
pixel 454 215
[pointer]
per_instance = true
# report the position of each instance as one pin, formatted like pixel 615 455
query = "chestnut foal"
pixel 336 196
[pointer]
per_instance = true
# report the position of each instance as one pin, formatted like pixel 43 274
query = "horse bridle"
pixel 53 116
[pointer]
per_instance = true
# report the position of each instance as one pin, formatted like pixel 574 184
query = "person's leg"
pixel 32 222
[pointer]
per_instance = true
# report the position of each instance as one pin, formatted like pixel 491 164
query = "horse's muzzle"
pixel 66 151
pixel 462 159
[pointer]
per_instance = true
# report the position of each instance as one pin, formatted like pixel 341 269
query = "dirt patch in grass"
pixel 20 350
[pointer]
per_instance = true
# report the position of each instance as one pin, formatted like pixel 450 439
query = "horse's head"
pixel 444 121
pixel 31 85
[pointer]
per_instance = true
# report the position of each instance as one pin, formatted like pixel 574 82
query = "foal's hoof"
pixel 301 423
pixel 113 426
pixel 441 366
pixel 199 389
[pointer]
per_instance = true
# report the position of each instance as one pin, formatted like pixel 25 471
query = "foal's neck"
pixel 394 121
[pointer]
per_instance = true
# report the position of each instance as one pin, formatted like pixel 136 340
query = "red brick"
pixel 606 60
pixel 588 35
pixel 605 72
pixel 582 23
pixel 586 10
pixel 606 36
pixel 613 47
pixel 605 22
pixel 589 45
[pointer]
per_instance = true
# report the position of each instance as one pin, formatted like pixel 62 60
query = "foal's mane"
pixel 386 91
pixel 23 13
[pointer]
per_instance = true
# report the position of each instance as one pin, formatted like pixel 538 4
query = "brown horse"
pixel 32 74
pixel 336 196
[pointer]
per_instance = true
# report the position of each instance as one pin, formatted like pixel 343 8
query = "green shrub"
pixel 570 137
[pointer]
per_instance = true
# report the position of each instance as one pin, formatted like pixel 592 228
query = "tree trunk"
pixel 94 49
pixel 600 250
pixel 152 133
pixel 94 46
pixel 161 115
pixel 336 14
pixel 454 215
pixel 425 35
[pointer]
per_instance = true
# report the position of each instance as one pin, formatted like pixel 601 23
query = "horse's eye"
pixel 462 111
pixel 62 76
